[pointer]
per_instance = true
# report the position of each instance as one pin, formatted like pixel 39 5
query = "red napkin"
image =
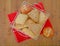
pixel 40 6
pixel 20 36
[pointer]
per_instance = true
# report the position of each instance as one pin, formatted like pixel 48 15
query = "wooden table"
pixel 6 35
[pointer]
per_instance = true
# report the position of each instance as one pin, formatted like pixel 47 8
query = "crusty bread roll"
pixel 25 8
pixel 48 32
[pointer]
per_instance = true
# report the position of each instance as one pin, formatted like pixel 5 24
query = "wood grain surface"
pixel 6 35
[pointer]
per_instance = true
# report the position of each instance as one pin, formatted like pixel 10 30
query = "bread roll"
pixel 48 32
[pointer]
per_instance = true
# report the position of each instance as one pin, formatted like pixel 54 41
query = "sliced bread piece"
pixel 34 15
pixel 43 17
pixel 36 28
pixel 21 18
pixel 19 26
pixel 29 33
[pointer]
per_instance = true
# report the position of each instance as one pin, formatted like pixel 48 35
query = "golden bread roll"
pixel 48 32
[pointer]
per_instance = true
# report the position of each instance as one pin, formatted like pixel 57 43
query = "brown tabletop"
pixel 6 35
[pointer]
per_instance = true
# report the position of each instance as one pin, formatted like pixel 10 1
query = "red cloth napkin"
pixel 20 36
